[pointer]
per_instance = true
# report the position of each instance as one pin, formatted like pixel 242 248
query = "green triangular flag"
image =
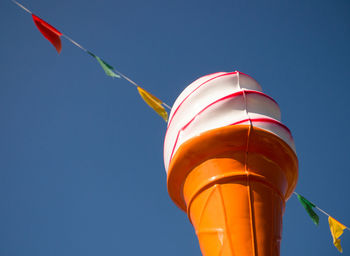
pixel 308 207
pixel 106 67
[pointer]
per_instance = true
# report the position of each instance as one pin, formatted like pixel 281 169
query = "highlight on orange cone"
pixel 231 164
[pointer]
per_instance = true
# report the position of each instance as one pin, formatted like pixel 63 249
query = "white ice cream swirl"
pixel 218 100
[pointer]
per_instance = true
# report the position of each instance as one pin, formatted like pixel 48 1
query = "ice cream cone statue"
pixel 231 164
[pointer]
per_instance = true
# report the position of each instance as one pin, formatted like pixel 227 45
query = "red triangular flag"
pixel 49 32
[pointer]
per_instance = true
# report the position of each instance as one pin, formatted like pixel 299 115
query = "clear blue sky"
pixel 81 170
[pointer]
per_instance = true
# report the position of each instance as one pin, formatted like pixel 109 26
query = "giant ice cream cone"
pixel 231 164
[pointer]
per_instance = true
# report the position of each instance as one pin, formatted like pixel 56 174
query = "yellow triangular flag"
pixel 337 230
pixel 153 102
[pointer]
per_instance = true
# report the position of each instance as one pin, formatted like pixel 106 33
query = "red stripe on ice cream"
pixel 227 74
pixel 233 95
pixel 262 94
pixel 264 120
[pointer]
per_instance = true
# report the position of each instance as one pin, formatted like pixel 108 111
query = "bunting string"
pixel 53 35
pixel 335 226
pixel 325 213
pixel 75 43
pixel 21 6
pixel 319 209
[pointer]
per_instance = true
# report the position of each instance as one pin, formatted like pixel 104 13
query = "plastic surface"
pixel 220 100
pixel 233 183
pixel 231 164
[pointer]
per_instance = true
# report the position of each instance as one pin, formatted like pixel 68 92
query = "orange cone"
pixel 233 183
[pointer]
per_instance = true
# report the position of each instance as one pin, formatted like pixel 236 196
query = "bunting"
pixel 49 32
pixel 54 36
pixel 335 226
pixel 336 230
pixel 154 103
pixel 309 208
pixel 106 67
